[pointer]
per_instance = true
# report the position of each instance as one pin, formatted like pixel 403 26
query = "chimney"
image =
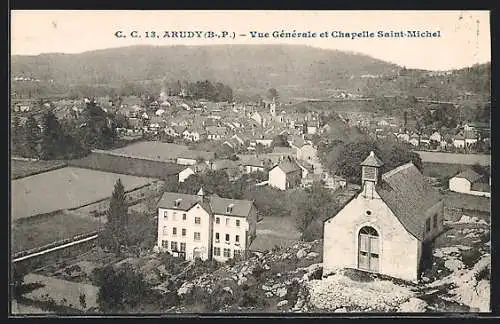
pixel 370 174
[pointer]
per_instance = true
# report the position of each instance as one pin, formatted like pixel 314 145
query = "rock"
pixel 228 289
pixel 281 292
pixel 453 264
pixel 299 304
pixel 282 303
pixel 413 305
pixel 301 253
pixel 425 279
pixel 242 280
pixel 340 310
pixel 312 255
pixel 267 267
pixel 278 275
pixel 185 288
pixel 269 294
pixel 266 288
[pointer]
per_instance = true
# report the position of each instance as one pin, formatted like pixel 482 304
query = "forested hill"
pixel 252 68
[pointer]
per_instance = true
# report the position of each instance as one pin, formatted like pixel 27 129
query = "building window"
pixel 183 232
pixel 237 253
pixel 197 236
pixel 435 220
pixel 217 237
pixel 184 216
pixel 229 209
pixel 165 214
pixel 197 220
pixel 427 225
pixel 174 231
pixel 183 247
pixel 227 237
pixel 177 202
pixel 238 222
pixel 227 221
pixel 227 253
pixel 164 244
pixel 217 220
pixel 165 230
pixel 216 251
pixel 173 246
pixel 237 239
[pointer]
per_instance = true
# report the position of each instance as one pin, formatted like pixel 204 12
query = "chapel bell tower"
pixel 370 174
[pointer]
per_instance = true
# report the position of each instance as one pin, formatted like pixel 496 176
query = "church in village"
pixel 387 226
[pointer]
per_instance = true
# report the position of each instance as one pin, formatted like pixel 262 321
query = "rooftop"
pixel 470 175
pixel 408 195
pixel 372 160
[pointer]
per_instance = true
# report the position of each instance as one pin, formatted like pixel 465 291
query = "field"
pixel 455 158
pixel 36 232
pixel 21 168
pixel 272 231
pixel 65 188
pixel 126 165
pixel 442 170
pixel 158 151
pixel 468 202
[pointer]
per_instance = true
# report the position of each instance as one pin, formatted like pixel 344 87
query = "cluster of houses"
pixel 383 229
pixel 468 136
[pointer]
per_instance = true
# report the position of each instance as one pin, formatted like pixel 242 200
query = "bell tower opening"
pixel 370 174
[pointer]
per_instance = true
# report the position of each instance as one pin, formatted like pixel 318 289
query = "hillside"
pixel 253 68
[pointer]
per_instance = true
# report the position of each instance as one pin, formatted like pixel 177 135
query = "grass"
pixel 468 202
pixel 455 158
pixel 275 231
pixel 38 232
pixel 20 169
pixel 126 165
pixel 65 188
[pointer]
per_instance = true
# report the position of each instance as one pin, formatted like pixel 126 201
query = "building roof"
pixel 288 166
pixel 372 160
pixel 409 196
pixel 470 175
pixel 481 186
pixel 216 130
pixel 224 164
pixel 186 202
pixel 240 208
pixel 213 204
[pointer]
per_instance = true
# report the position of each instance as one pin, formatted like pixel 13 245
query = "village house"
pixel 471 183
pixel 197 226
pixel 436 137
pixel 415 140
pixel 192 169
pixel 216 132
pixel 285 175
pixel 253 165
pixel 403 137
pixel 388 227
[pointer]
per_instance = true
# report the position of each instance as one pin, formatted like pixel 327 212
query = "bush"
pixel 258 272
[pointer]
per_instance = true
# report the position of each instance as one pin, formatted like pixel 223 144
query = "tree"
pixel 17 137
pixel 346 158
pixel 19 271
pixel 119 288
pixel 115 233
pixel 316 205
pixel 52 137
pixel 272 94
pixel 280 141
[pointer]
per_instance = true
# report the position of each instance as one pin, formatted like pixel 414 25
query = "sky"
pixel 464 35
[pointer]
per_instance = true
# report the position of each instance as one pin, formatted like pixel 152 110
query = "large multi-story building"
pixel 192 226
